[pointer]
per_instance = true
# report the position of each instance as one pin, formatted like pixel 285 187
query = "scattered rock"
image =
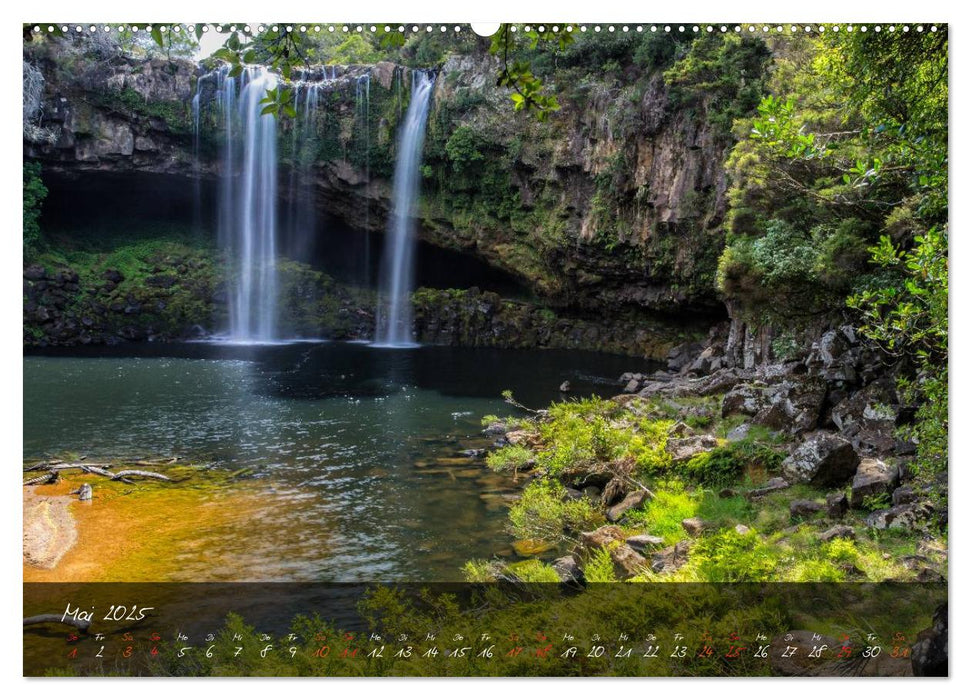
pixel 803 508
pixel 928 575
pixel 776 483
pixel 932 549
pixel 113 276
pixel 742 529
pixel 601 537
pixel 670 559
pixel 905 516
pixel 568 569
pixel 644 543
pixel 496 428
pixel 517 437
pixel 869 417
pixel 632 500
pixel 844 531
pixel 747 399
pixel 632 386
pixel 35 272
pixel 592 492
pixel 873 478
pixel 626 561
pixel 837 504
pixel 694 526
pixel 914 562
pixel 929 654
pixel 565 387
pixel 903 495
pixel 823 459
pixel 683 449
pixel 739 433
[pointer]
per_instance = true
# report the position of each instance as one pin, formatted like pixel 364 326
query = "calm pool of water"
pixel 360 448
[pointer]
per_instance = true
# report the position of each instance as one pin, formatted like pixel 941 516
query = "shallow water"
pixel 356 451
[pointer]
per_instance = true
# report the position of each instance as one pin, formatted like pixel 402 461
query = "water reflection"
pixel 359 450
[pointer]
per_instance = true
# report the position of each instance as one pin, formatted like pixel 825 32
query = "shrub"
pixel 533 571
pixel 34 192
pixel 599 567
pixel 725 465
pixel 509 458
pixel 541 513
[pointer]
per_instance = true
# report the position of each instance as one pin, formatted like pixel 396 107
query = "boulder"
pixel 35 272
pixel 518 437
pixel 682 355
pixel 747 399
pixel 683 449
pixel 632 386
pixel 836 505
pixel 601 537
pixel 873 478
pixel 633 500
pixel 742 529
pixel 843 531
pixel 904 517
pixel 694 526
pixel 644 543
pixel 823 459
pixel 626 561
pixel 113 275
pixel 739 433
pixel 903 495
pixel 804 509
pixel 929 654
pixel 568 569
pixel 869 417
pixel 592 493
pixel 565 387
pixel 670 559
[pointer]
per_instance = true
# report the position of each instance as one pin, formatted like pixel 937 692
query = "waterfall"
pixel 363 107
pixel 247 214
pixel 301 207
pixel 196 168
pixel 394 326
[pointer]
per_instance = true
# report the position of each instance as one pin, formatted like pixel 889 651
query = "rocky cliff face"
pixel 113 114
pixel 610 208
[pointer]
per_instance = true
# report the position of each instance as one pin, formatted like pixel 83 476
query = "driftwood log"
pixel 100 469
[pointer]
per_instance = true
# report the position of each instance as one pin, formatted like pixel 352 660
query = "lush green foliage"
pixel 841 190
pixel 729 556
pixel 509 458
pixel 727 465
pixel 34 193
pixel 544 513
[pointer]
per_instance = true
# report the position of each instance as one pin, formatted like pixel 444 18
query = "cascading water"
pixel 362 99
pixel 301 194
pixel 394 327
pixel 247 215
